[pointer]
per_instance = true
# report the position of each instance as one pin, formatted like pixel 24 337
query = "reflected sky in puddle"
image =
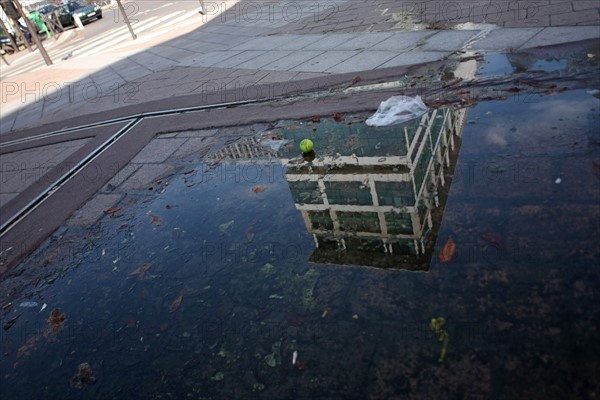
pixel 207 289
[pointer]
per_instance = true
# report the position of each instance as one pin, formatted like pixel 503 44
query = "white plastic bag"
pixel 396 110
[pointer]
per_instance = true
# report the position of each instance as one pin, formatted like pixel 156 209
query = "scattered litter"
pixel 275 145
pixel 355 316
pixel 396 110
pixel 324 314
pixel 44 306
pixel 28 304
pixel 558 181
pixel 7 306
pixel 294 357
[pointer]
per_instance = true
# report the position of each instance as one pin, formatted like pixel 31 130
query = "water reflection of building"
pixel 371 194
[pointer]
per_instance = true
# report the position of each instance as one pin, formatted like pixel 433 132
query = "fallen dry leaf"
pixel 356 79
pixel 56 320
pixel 156 220
pixel 447 252
pixel 259 189
pixel 177 302
pixel 112 210
pixel 141 271
pixel 337 116
pixel 293 128
pixel 315 118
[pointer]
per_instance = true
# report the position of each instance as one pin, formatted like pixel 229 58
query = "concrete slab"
pixel 415 58
pixel 144 177
pixel 262 43
pixel 363 61
pixel 502 39
pixel 93 210
pixel 325 61
pixel 364 41
pixel 448 40
pixel 240 58
pixel 293 60
pixel 566 34
pixel 330 42
pixel 264 59
pixel 158 150
pixel 402 41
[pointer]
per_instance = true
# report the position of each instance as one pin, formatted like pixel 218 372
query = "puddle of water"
pixel 495 64
pixel 208 289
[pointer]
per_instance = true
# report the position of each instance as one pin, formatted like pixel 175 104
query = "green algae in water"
pixel 436 325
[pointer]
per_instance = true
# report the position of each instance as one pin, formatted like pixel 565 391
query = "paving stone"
pixel 415 58
pixel 402 41
pixel 448 40
pixel 363 61
pixel 158 150
pixel 288 63
pixel 364 41
pixel 145 176
pixel 502 39
pixel 93 210
pixel 556 35
pixel 325 61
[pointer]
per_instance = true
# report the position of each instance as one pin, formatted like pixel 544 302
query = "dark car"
pixel 86 12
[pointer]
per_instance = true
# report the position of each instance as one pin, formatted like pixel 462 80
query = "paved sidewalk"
pixel 233 51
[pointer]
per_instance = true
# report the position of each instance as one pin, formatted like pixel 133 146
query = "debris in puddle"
pixel 436 325
pixel 56 320
pixel 112 210
pixel 28 304
pixel 177 302
pixel 315 119
pixel 11 322
pixel 355 316
pixel 447 252
pixel 270 360
pixel 396 110
pixel 294 357
pixel 141 271
pixel 43 307
pixel 7 306
pixel 259 189
pixel 324 314
pixel 337 116
pixel 219 376
pixel 84 377
pixel 156 219
pixel 226 226
pixel 558 181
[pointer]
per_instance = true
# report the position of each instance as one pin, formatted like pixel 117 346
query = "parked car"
pixel 87 13
pixel 6 45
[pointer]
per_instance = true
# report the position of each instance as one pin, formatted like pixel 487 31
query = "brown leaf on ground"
pixel 337 116
pixel 112 210
pixel 315 119
pixel 57 320
pixel 293 128
pixel 448 251
pixel 156 220
pixel 177 302
pixel 141 271
pixel 356 79
pixel 122 228
pixel 259 189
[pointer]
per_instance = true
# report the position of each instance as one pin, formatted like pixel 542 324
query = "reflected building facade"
pixel 374 196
